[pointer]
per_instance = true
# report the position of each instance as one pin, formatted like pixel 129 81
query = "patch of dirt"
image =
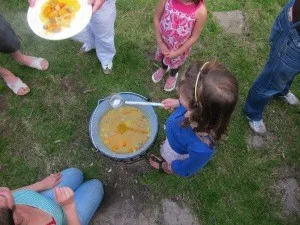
pixel 4 127
pixel 121 180
pixel 260 142
pixel 288 190
pixel 176 213
pixel 233 22
pixel 68 84
pixel 128 202
pixel 290 201
pixel 63 92
pixel 287 171
pixel 3 104
pixel 124 197
pixel 150 54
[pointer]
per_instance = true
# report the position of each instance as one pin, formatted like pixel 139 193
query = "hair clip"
pixel 197 80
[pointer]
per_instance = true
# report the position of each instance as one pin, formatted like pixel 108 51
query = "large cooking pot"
pixel 102 108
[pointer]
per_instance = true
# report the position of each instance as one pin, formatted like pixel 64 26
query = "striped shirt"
pixel 34 199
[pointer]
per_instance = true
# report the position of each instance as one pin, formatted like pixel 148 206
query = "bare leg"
pixel 26 60
pixel 10 78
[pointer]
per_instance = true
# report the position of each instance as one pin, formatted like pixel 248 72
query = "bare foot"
pixel 30 60
pixel 10 79
pixel 22 90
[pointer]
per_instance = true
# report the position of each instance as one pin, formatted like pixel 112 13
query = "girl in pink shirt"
pixel 178 25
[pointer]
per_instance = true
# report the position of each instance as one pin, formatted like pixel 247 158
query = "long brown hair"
pixel 6 216
pixel 216 98
pixel 197 2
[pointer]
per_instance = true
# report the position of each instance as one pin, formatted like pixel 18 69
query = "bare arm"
pixel 45 184
pixel 64 196
pixel 201 15
pixel 157 15
pixel 38 186
pixel 71 215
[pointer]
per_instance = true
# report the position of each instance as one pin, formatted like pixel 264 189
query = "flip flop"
pixel 37 63
pixel 157 160
pixel 15 87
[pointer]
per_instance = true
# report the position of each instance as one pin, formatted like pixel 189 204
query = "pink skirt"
pixel 169 154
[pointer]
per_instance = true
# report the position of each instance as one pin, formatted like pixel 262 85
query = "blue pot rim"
pixel 129 156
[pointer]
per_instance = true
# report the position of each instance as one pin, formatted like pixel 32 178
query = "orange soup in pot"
pixel 124 130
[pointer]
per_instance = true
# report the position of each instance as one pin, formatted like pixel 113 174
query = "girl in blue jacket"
pixel 207 97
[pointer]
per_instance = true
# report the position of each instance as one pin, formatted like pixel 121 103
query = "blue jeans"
pixel 88 195
pixel 280 69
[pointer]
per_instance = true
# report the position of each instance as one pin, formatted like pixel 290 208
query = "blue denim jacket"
pixel 285 40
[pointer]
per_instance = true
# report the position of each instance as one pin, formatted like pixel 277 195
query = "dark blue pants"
pixel 281 68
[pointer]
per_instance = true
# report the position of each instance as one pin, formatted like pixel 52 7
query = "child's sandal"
pixel 157 160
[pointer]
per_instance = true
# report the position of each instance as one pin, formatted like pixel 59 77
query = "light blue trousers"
pixel 88 195
pixel 100 32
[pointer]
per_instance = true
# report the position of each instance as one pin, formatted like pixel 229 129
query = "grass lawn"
pixel 47 130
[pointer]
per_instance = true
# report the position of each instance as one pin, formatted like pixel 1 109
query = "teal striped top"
pixel 34 199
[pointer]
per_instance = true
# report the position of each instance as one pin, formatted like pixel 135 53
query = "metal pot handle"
pixel 101 100
pixel 136 159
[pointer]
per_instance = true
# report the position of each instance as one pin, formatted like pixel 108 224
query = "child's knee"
pixel 73 172
pixel 98 185
pixel 97 189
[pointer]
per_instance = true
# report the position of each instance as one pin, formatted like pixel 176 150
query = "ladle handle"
pixel 144 103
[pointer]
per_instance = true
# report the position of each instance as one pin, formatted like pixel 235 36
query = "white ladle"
pixel 116 101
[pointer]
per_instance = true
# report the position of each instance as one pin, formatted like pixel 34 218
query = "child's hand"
pixel 163 48
pixel 64 196
pixel 170 104
pixel 172 54
pixel 51 181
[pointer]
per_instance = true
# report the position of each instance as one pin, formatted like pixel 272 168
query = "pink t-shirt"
pixel 176 26
pixel 185 8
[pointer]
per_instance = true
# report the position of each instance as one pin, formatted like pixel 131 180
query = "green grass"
pixel 48 129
